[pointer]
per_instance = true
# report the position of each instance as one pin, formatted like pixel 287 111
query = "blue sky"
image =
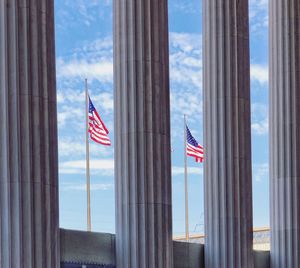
pixel 84 49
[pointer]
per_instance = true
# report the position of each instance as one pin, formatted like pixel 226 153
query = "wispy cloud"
pixel 92 60
pixel 82 186
pixel 65 115
pixel 186 79
pixel 85 13
pixel 100 70
pixel 77 97
pixel 259 73
pixel 260 172
pixel 176 171
pixel 185 60
pixel 258 10
pixel 186 103
pixel 260 127
pixel 187 42
pixel 104 167
pixel 259 118
pixel 184 6
pixel 73 147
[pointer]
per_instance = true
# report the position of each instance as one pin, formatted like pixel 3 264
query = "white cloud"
pixel 191 170
pixel 67 147
pixel 92 60
pixel 186 103
pixel 185 60
pixel 98 47
pixel 72 13
pixel 184 7
pixel 77 97
pixel 259 109
pixel 104 167
pixel 186 79
pixel 100 70
pixel 259 118
pixel 74 96
pixel 259 73
pixel 71 147
pixel 65 114
pixel 106 100
pixel 59 97
pixel 261 127
pixel 82 186
pixel 187 42
pixel 62 118
pixel 95 61
pixel 258 15
pixel 260 172
pixel 259 4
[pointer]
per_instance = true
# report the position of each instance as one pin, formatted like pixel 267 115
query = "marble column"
pixel 227 135
pixel 29 231
pixel 142 134
pixel 285 133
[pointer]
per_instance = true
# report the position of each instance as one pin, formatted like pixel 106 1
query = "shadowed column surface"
pixel 227 135
pixel 142 134
pixel 29 234
pixel 284 132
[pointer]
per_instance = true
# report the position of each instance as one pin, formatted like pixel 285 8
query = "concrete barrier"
pixel 95 250
pixel 78 247
pixel 188 255
pixel 261 259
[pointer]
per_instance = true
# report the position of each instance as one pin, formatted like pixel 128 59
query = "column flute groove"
pixel 284 58
pixel 227 135
pixel 142 134
pixel 29 230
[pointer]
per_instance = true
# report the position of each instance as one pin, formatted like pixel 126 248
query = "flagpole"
pixel 88 186
pixel 187 236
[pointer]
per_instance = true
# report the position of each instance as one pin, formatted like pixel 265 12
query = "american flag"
pixel 193 148
pixel 98 131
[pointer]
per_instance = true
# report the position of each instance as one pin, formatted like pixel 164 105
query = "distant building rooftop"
pixel 261 238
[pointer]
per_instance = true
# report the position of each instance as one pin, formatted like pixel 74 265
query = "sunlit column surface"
pixel 29 234
pixel 227 135
pixel 142 134
pixel 284 133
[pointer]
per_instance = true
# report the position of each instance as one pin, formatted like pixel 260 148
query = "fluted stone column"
pixel 284 133
pixel 142 134
pixel 28 136
pixel 227 135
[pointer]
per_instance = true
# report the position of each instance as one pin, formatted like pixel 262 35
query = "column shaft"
pixel 142 134
pixel 29 231
pixel 284 133
pixel 227 135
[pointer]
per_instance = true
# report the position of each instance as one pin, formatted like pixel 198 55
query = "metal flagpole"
pixel 187 236
pixel 88 187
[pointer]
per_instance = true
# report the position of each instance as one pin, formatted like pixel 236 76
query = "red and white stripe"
pixel 98 131
pixel 196 152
